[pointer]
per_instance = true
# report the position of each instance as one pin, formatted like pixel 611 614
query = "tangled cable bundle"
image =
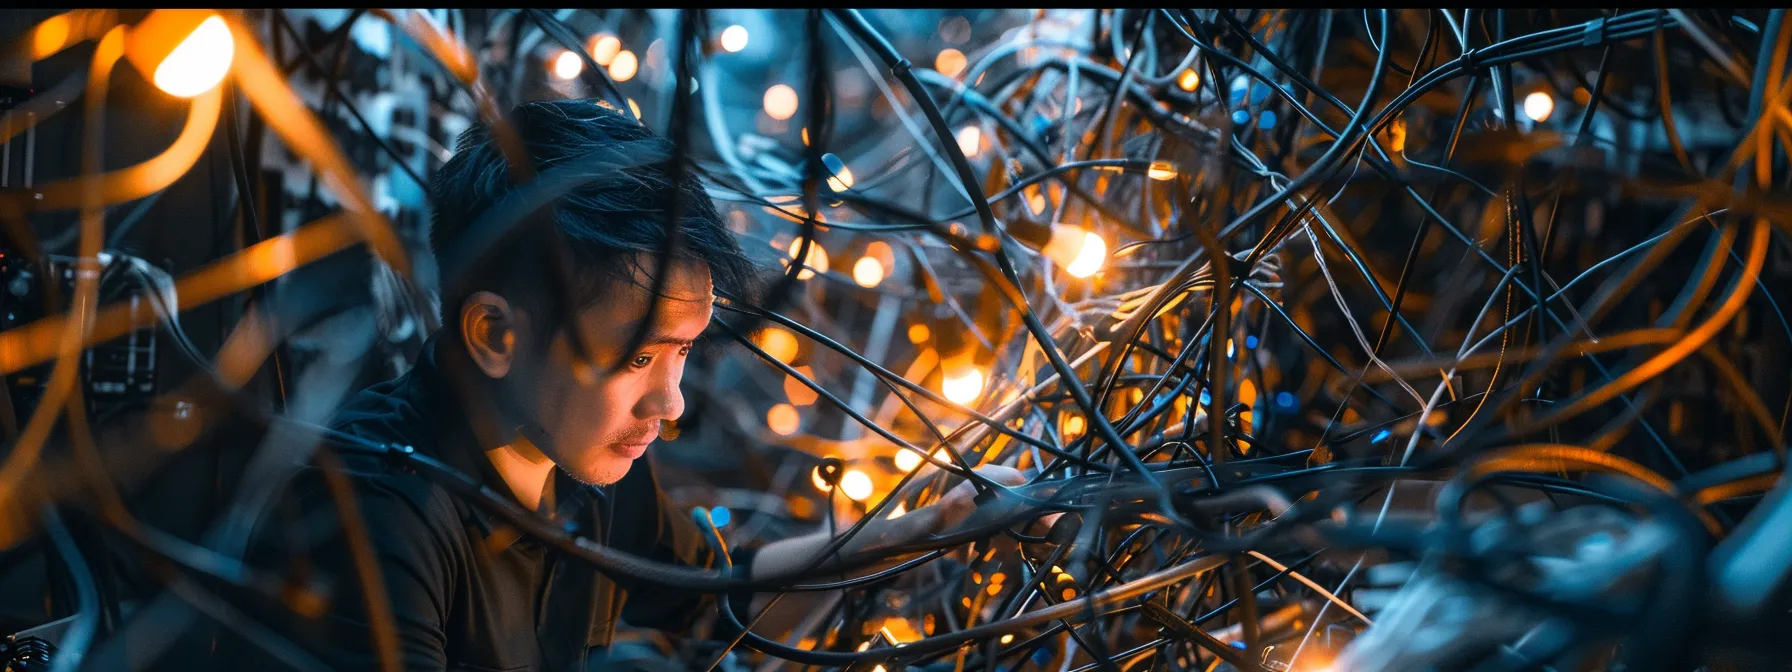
pixel 1326 339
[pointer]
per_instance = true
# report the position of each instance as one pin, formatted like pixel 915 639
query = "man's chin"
pixel 602 472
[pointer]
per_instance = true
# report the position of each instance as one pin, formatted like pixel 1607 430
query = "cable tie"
pixel 831 470
pixel 1594 33
pixel 1471 59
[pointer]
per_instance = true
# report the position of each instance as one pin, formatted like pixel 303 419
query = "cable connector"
pixel 1593 33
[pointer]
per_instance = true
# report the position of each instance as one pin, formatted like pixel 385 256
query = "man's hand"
pixel 952 510
pixel 783 558
pixel 943 517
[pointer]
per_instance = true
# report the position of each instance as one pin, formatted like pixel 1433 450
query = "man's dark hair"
pixel 602 224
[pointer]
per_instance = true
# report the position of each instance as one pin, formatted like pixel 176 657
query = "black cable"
pixel 899 66
pixel 253 230
pixel 1131 468
pixel 334 87
pixel 74 643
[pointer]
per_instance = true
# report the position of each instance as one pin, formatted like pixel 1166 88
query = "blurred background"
pixel 1586 139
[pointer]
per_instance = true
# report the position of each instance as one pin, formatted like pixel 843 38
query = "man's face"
pixel 596 428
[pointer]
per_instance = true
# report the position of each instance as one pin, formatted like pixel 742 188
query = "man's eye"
pixel 642 361
pixel 686 350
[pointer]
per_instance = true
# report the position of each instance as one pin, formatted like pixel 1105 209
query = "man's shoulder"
pixel 404 516
pixel 405 411
pixel 387 495
pixel 383 413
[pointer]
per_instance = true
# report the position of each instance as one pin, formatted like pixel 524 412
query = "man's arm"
pixel 789 556
pixel 797 554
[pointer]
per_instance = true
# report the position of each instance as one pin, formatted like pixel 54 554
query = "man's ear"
pixel 488 327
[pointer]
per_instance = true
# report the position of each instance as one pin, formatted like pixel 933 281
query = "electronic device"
pixel 117 375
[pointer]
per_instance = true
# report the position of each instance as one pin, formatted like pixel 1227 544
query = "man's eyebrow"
pixel 658 339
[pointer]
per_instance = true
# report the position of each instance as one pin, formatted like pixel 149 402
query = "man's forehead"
pixel 686 280
pixel 686 293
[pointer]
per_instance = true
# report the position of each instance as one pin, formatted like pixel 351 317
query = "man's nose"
pixel 663 401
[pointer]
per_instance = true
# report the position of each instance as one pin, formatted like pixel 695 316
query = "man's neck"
pixel 526 470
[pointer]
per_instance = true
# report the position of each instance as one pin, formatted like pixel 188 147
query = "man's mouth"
pixel 633 449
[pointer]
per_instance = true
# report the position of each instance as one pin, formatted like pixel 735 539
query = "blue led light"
pixel 1259 92
pixel 721 516
pixel 1250 341
pixel 1285 400
pixel 1267 120
pixel 1241 117
pixel 1206 398
pixel 833 163
pixel 1240 85
pixel 1383 434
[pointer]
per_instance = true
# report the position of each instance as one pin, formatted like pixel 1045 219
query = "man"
pixel 500 394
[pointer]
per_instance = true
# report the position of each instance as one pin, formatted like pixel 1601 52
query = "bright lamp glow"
pixel 568 65
pixel 907 460
pixel 841 180
pixel 868 271
pixel 778 343
pixel 190 67
pixel 734 38
pixel 624 66
pixel 950 62
pixel 1078 251
pixel 970 140
pixel 604 48
pixel 856 485
pixel 798 393
pixel 816 261
pixel 1538 105
pixel 780 102
pixel 783 419
pixel 1189 80
pixel 1073 427
pixel 962 386
pixel 1090 258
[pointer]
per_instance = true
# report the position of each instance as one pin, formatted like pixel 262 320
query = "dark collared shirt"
pixel 467 591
